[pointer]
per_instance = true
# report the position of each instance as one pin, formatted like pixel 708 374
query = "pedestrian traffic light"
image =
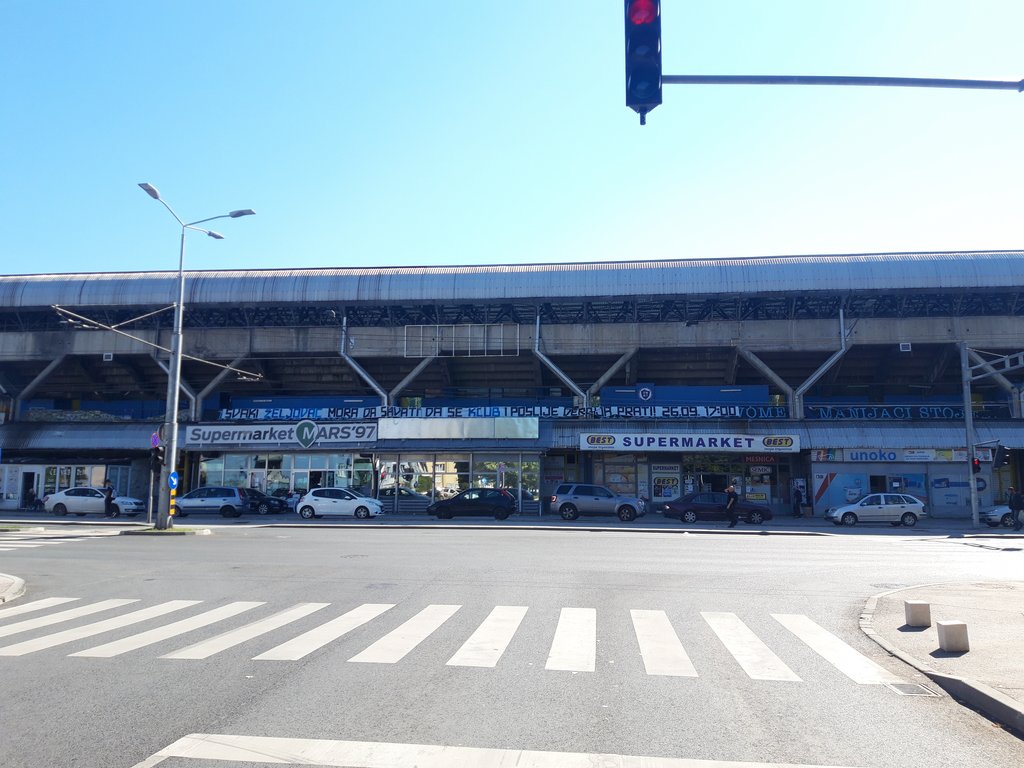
pixel 156 459
pixel 975 465
pixel 1002 457
pixel 643 56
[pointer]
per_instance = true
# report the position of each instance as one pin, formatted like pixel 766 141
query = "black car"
pixel 710 505
pixel 262 504
pixel 475 501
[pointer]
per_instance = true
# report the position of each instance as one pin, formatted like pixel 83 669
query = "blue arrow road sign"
pixel 172 480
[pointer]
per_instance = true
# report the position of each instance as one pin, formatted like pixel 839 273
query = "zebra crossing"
pixel 572 645
pixel 33 538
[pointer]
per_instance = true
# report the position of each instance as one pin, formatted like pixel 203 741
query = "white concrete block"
pixel 918 613
pixel 953 636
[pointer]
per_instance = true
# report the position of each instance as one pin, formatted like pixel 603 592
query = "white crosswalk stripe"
pixel 574 644
pixel 393 647
pixel 12 541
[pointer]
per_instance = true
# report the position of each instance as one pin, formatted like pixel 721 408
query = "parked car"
pixel 343 502
pixel 262 504
pixel 893 508
pixel 710 505
pixel 475 501
pixel 86 500
pixel 227 500
pixel 571 500
pixel 998 515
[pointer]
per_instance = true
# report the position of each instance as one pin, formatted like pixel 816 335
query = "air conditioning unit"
pixel 905 346
pixel 108 357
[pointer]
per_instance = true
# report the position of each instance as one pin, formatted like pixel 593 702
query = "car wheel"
pixel 307 513
pixel 60 509
pixel 756 518
pixel 568 512
pixel 229 511
pixel 849 518
pixel 627 514
pixel 1007 520
pixel 263 508
pixel 689 516
pixel 500 514
pixel 909 519
pixel 362 513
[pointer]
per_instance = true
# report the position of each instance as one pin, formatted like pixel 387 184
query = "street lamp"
pixel 164 518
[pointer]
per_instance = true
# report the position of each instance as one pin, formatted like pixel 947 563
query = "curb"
pixel 169 532
pixel 983 698
pixel 428 525
pixel 14 591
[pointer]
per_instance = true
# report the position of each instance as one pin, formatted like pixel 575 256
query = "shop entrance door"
pixel 29 494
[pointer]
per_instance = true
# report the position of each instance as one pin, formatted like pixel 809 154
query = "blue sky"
pixel 369 134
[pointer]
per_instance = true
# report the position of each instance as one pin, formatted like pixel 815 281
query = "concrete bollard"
pixel 953 636
pixel 918 613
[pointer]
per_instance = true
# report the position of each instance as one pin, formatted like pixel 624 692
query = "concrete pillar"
pixel 918 613
pixel 953 636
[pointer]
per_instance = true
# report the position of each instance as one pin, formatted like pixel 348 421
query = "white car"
pixel 996 516
pixel 85 500
pixel 337 502
pixel 893 508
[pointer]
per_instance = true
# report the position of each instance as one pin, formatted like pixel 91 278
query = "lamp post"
pixel 164 517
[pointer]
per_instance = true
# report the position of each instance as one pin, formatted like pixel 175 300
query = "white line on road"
pixel 660 648
pixel 230 639
pixel 89 630
pixel 143 639
pixel 57 618
pixel 320 636
pixel 396 644
pixel 753 655
pixel 35 605
pixel 574 648
pixel 371 754
pixel 851 663
pixel 486 645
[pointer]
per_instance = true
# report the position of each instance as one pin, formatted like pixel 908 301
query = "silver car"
pixel 574 499
pixel 997 516
pixel 893 508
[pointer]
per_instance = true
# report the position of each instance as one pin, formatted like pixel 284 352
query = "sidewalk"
pixel 11 587
pixel 990 676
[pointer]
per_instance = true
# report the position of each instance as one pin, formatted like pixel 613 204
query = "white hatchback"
pixel 84 500
pixel 337 502
pixel 893 508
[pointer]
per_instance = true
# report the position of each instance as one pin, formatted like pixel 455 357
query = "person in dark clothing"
pixel 798 499
pixel 730 506
pixel 1016 506
pixel 108 498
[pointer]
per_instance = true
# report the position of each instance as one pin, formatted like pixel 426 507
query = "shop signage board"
pixel 713 442
pixel 300 435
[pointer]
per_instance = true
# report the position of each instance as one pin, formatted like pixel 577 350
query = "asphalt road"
pixel 566 681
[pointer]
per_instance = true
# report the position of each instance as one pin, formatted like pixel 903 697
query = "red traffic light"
pixel 642 12
pixel 976 465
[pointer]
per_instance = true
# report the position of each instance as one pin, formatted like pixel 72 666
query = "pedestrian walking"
pixel 108 498
pixel 1016 506
pixel 730 506
pixel 798 499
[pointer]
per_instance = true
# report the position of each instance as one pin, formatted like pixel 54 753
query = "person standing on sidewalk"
pixel 730 506
pixel 798 499
pixel 108 498
pixel 1016 505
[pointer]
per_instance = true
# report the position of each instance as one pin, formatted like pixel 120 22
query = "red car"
pixel 710 505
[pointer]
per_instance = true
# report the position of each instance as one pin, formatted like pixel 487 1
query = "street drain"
pixel 911 689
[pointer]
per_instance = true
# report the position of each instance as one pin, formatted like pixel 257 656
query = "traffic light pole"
pixel 898 82
pixel 972 481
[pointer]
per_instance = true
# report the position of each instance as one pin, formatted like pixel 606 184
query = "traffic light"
pixel 1002 458
pixel 975 465
pixel 156 459
pixel 643 56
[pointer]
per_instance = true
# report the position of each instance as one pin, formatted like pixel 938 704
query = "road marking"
pixel 9 546
pixel 486 645
pixel 60 616
pixel 851 663
pixel 574 648
pixel 396 644
pixel 660 648
pixel 231 638
pixel 753 655
pixel 320 636
pixel 371 754
pixel 143 639
pixel 89 630
pixel 35 605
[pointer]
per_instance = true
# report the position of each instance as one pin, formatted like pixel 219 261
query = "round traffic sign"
pixel 172 480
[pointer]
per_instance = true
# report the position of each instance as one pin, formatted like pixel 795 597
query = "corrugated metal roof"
pixel 75 437
pixel 511 282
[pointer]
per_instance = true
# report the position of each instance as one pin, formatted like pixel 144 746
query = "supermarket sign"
pixel 722 442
